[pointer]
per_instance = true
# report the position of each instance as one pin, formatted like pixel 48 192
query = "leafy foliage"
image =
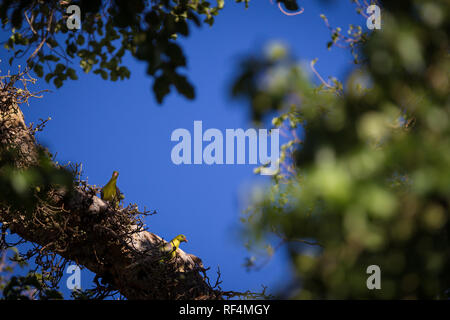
pixel 369 183
pixel 109 29
pixel 21 186
pixel 28 287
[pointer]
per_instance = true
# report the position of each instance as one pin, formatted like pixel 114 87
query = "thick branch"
pixel 80 227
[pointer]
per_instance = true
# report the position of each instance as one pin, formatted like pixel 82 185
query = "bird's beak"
pixel 185 240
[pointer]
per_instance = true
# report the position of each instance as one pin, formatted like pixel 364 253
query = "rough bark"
pixel 80 227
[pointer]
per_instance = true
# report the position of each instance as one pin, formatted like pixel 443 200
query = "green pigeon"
pixel 169 250
pixel 111 192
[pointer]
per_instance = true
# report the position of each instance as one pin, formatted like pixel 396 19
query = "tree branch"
pixel 77 225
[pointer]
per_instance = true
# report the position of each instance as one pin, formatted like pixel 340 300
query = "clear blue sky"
pixel 118 126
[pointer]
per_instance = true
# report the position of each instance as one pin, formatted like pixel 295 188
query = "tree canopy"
pixel 364 178
pixel 369 182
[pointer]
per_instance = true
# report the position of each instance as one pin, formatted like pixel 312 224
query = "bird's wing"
pixel 119 194
pixel 167 250
pixel 168 247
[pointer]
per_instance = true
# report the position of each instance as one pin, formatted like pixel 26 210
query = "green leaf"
pixel 161 87
pixel 39 70
pixel 184 87
pixel 80 40
pixel 57 82
pixel 49 76
pixel 51 57
pixel 104 74
pixel 72 74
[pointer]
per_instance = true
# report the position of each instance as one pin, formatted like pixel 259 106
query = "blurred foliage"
pixel 21 189
pixel 22 185
pixel 109 29
pixel 28 287
pixel 369 183
pixel 27 175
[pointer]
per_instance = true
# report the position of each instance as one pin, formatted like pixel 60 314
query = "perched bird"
pixel 110 192
pixel 169 250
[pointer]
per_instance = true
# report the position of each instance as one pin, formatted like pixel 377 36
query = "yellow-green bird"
pixel 169 250
pixel 111 192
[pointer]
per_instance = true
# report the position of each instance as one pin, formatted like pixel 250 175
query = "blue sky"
pixel 119 126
